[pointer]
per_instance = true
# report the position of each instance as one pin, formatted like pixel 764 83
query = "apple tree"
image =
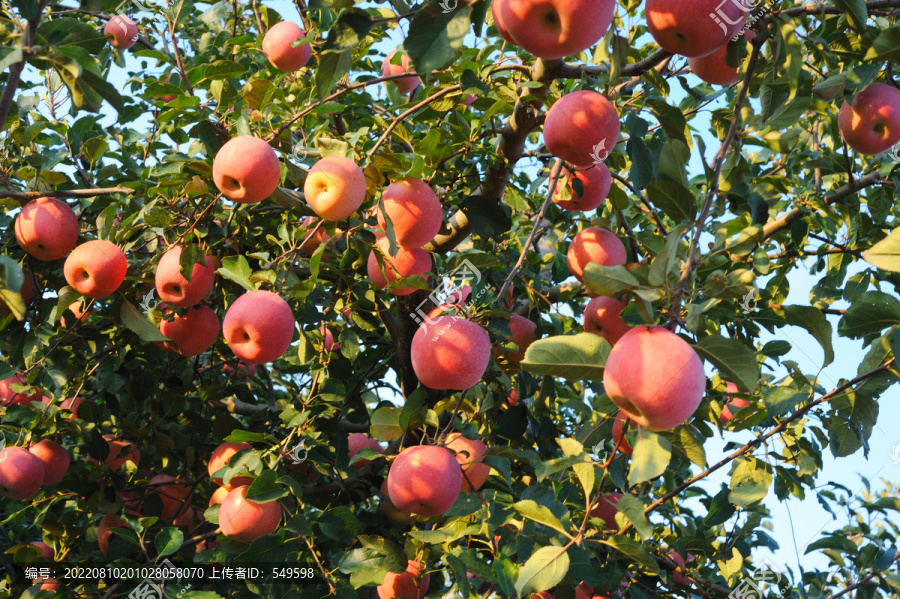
pixel 528 257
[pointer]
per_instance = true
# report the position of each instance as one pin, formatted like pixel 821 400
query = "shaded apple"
pixel 193 333
pixel 107 522
pixel 174 289
pixel 655 377
pixel 121 451
pixel 405 85
pixel 734 405
pixel 95 269
pixel 414 211
pixel 47 229
pixel 258 327
pixel 277 47
pixel 596 182
pixel 220 457
pixel 335 188
pixel 469 454
pixel 22 398
pixel 451 353
pixel 594 245
pixel 606 509
pixel 21 473
pixel 244 520
pixel 355 442
pixel 407 262
pixel 581 128
pixel 54 458
pixel 412 584
pixel 603 316
pixel 424 479
pixel 246 170
pixel 693 28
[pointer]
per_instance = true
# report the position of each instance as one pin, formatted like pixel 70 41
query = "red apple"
pixel 277 47
pixel 313 243
pixel 405 85
pixel 603 316
pixel 452 353
pixel 594 245
pixel 241 370
pixel 246 170
pixel 414 211
pixel 174 496
pixel 258 326
pixel 596 182
pixel 172 78
pixel 355 442
pixel 411 584
pixel 121 451
pixel 78 310
pixel 713 69
pixel 47 228
pixel 582 128
pixel 174 289
pixel 54 458
pixel 391 513
pixel 554 28
pixel 46 550
pixel 122 32
pixel 335 188
pixel 221 455
pixel 219 495
pixel 734 405
pixel 469 454
pixel 103 533
pixel 407 262
pixel 677 577
pixel 328 343
pixel 619 429
pixel 21 473
pixel 871 124
pixel 694 28
pixel 71 404
pixel 606 509
pixel 244 520
pixel 523 335
pixel 96 268
pixel 193 333
pixel 655 377
pixel 513 398
pixel 424 479
pixel 9 397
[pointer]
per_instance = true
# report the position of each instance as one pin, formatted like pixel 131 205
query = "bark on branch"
pixel 27 196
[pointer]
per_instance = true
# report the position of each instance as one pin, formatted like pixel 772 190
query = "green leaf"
pixel 332 67
pixel 869 314
pixel 781 400
pixel 266 488
pixel 136 322
pixel 733 358
pixel 576 357
pixel 487 217
pixel 505 570
pixel 348 32
pixel 608 280
pixel 633 550
pixel 544 570
pixel 674 199
pixel 386 424
pixel 236 268
pixel 650 457
pixel 886 253
pixel 66 31
pixel 856 14
pixel 750 481
pixel 451 532
pixel 11 275
pixel 541 514
pixel 585 474
pixel 10 56
pixel 168 540
pixel 435 37
pixel 885 47
pixel 814 321
pixel 633 509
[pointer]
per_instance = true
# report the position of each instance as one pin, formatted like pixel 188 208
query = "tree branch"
pixel 412 110
pixel 712 192
pixel 27 196
pixel 15 71
pixel 781 426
